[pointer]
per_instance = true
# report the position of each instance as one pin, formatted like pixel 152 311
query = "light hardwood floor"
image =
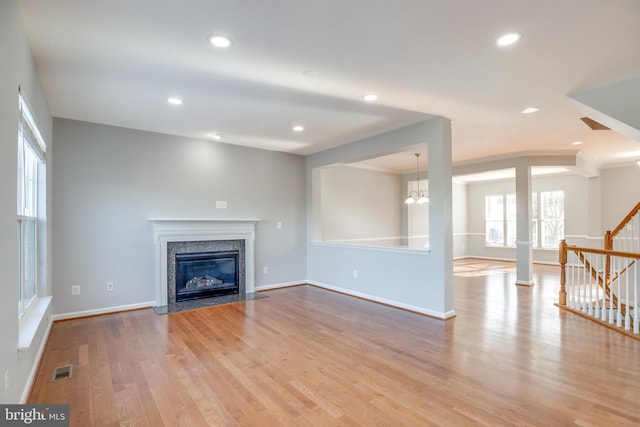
pixel 310 357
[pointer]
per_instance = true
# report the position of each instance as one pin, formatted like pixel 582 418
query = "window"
pixel 534 220
pixel 500 220
pixel 494 220
pixel 551 219
pixel 511 215
pixel 547 219
pixel 31 155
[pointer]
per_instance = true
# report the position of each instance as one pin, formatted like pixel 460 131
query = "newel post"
pixel 608 241
pixel 562 257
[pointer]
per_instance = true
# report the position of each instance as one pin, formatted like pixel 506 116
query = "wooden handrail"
pixel 624 222
pixel 576 249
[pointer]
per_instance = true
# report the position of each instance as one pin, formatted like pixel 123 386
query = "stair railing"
pixel 626 236
pixel 601 284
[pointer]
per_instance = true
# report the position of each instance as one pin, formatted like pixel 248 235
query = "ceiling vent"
pixel 593 124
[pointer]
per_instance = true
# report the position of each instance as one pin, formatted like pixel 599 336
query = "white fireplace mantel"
pixel 167 230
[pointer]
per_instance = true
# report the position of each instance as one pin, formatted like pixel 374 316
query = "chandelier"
pixel 417 196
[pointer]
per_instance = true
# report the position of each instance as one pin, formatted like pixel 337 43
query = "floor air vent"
pixel 62 372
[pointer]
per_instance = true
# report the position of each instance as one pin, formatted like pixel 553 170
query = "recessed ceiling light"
pixel 215 136
pixel 576 143
pixel 508 39
pixel 370 97
pixel 174 101
pixel 298 128
pixel 529 110
pixel 220 41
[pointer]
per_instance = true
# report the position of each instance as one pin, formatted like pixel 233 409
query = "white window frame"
pixel 493 220
pixel 538 220
pixel 544 219
pixel 30 185
pixel 507 221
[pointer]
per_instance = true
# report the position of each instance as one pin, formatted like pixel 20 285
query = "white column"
pixel 440 209
pixel 524 247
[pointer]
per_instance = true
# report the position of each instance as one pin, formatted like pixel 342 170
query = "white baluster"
pixel 603 313
pixel 619 293
pixel 572 282
pixel 583 282
pixel 637 238
pixel 597 302
pixel 636 323
pixel 576 285
pixel 612 308
pixel 626 238
pixel 590 303
pixel 627 316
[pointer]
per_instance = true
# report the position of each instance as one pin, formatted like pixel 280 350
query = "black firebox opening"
pixel 206 274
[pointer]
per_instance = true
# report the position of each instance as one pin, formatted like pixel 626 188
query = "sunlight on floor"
pixel 475 268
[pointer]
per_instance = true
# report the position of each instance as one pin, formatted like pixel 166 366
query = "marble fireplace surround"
pixel 167 230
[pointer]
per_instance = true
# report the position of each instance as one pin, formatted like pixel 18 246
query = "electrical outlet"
pixel 279 225
pixel 6 383
pixel 221 204
pixel 355 274
pixel 265 270
pixel 75 290
pixel 109 286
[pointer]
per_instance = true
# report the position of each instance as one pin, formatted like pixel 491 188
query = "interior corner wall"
pixel 109 181
pixel 360 206
pixel 594 207
pixel 620 193
pixel 17 68
pixel 460 215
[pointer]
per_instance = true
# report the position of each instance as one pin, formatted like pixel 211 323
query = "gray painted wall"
pixel 360 205
pixel 17 68
pixel 109 181
pixel 460 219
pixel 620 193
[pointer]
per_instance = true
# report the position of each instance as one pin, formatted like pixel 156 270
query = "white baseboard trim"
pixel 490 258
pixel 99 311
pixel 547 263
pixel 280 285
pixel 373 298
pixel 36 363
pixel 524 283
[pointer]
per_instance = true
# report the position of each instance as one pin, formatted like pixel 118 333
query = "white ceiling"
pixel 301 62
